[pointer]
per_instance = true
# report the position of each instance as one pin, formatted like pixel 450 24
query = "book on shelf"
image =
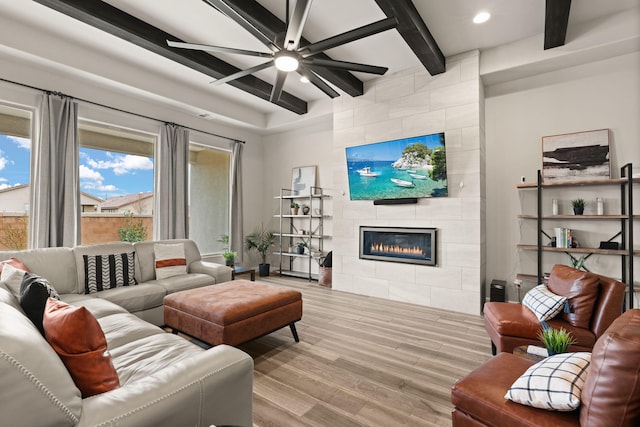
pixel 563 237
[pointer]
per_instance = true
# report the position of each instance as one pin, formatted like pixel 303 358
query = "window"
pixel 209 199
pixel 116 183
pixel 15 161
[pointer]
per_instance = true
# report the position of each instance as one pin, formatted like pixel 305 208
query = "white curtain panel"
pixel 55 183
pixel 236 238
pixel 171 215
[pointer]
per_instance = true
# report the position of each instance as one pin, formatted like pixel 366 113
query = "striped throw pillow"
pixel 170 260
pixel 103 272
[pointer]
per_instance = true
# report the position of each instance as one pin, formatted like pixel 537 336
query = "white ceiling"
pixel 195 21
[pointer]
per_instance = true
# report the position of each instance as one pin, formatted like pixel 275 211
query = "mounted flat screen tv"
pixel 405 168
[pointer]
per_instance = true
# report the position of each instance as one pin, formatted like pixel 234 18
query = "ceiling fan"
pixel 287 55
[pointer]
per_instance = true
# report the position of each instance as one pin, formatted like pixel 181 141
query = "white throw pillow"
pixel 12 278
pixel 170 260
pixel 555 383
pixel 544 303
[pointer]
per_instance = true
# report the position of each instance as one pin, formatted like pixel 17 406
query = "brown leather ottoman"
pixel 233 312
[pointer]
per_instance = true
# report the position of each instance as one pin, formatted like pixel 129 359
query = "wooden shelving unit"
pixel 626 219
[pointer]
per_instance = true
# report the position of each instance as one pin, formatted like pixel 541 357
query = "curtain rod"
pixel 120 110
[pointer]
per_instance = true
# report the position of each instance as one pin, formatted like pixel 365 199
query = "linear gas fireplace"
pixel 399 244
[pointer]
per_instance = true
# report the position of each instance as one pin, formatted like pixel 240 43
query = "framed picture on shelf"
pixel 579 156
pixel 302 179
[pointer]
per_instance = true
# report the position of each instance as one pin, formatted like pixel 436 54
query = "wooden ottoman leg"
pixel 292 325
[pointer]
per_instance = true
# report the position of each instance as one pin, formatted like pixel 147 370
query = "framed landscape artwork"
pixel 302 179
pixel 579 156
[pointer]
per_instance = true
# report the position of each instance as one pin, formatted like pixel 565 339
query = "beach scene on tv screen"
pixel 402 168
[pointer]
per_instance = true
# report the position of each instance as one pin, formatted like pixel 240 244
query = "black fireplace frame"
pixel 408 230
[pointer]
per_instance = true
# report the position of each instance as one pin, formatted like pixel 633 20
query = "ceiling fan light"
pixel 286 62
pixel 481 17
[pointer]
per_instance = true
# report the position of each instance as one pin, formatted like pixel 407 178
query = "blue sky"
pixel 389 150
pixel 103 174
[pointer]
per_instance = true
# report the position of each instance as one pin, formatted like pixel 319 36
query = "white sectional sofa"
pixel 165 380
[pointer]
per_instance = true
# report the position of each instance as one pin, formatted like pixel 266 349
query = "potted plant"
pixel 300 247
pixel 294 208
pixel 578 206
pixel 556 340
pixel 261 240
pixel 229 258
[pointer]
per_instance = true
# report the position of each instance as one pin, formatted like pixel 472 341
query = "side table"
pixel 239 270
pixel 521 351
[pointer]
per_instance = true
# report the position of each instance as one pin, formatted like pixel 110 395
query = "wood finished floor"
pixel 362 361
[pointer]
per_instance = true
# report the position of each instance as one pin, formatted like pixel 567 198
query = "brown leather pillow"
pixel 74 333
pixel 581 289
pixel 611 393
pixel 16 263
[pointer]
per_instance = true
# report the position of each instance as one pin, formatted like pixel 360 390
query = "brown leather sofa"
pixel 595 302
pixel 610 396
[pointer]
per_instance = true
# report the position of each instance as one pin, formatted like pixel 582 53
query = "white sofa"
pixel 165 380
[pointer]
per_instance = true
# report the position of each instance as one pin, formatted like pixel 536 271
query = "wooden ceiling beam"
pixel 556 21
pixel 415 33
pixel 120 24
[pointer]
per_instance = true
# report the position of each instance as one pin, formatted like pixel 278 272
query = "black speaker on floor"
pixel 498 290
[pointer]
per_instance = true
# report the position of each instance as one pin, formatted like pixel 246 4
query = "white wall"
pixel 407 104
pixel 604 94
pixel 309 146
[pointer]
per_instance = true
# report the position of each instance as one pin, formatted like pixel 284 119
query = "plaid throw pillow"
pixel 108 271
pixel 544 303
pixel 554 383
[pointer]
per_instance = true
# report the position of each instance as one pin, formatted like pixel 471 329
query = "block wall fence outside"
pixel 96 228
pixel 412 103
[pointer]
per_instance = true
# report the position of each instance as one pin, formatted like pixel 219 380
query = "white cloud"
pixel 4 186
pixel 3 179
pixel 90 174
pixel 122 164
pixel 3 161
pixel 21 142
pixel 94 181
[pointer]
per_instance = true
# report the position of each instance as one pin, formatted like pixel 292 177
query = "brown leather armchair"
pixel 610 395
pixel 595 301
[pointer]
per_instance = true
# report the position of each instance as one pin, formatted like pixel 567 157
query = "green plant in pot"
pixel 578 206
pixel 229 258
pixel 555 340
pixel 294 208
pixel 261 240
pixel 300 247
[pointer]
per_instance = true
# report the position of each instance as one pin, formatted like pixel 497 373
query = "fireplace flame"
pixel 396 249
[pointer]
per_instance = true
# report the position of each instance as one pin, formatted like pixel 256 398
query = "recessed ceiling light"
pixel 481 17
pixel 304 79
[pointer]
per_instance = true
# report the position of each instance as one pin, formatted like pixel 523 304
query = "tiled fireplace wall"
pixel 406 104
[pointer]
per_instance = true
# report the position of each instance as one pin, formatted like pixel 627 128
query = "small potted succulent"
pixel 578 206
pixel 300 247
pixel 556 340
pixel 229 258
pixel 294 208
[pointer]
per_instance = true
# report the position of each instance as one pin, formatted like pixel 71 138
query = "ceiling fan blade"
pixel 349 36
pixel 296 24
pixel 242 73
pixel 241 20
pixel 318 82
pixel 209 48
pixel 343 65
pixel 278 86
